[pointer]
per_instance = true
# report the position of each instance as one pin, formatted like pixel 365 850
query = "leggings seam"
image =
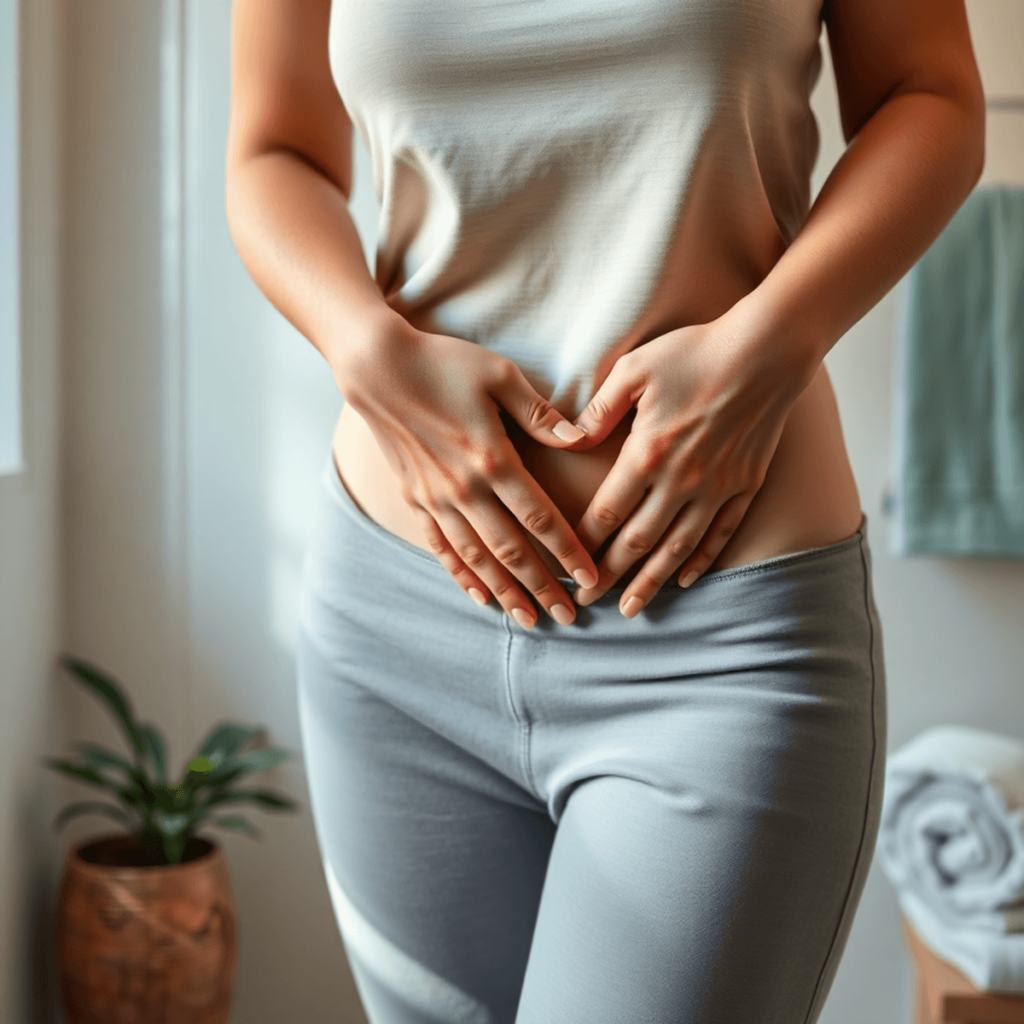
pixel 520 716
pixel 867 803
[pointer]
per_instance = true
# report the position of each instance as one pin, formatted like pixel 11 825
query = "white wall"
pixel 29 552
pixel 192 438
pixel 197 422
pixel 259 405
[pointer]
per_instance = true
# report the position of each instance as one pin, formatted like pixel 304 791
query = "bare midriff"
pixel 809 498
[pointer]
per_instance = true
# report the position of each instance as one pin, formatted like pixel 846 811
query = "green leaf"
pixel 173 830
pixel 224 774
pixel 171 799
pixel 203 774
pixel 143 788
pixel 262 759
pixel 111 693
pixel 82 772
pixel 183 798
pixel 170 824
pixel 226 740
pixel 174 846
pixel 153 743
pixel 258 796
pixel 100 757
pixel 151 843
pixel 238 825
pixel 133 797
pixel 92 807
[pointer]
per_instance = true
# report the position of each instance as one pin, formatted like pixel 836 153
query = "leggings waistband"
pixel 336 486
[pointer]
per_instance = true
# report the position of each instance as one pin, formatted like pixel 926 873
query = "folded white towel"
pixel 951 841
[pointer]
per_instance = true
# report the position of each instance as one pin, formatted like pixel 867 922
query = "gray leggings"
pixel 660 820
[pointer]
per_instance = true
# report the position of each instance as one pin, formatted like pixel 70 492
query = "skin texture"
pixel 714 445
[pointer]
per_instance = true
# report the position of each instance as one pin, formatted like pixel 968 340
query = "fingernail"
pixel 567 431
pixel 477 596
pixel 690 577
pixel 522 618
pixel 585 578
pixel 561 614
pixel 632 606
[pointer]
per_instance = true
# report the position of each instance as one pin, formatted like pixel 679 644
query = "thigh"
pixel 655 914
pixel 720 802
pixel 435 861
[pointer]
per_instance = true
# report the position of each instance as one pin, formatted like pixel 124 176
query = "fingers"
pixel 489 554
pixel 689 546
pixel 446 554
pixel 617 499
pixel 713 538
pixel 477 533
pixel 529 503
pixel 615 397
pixel 531 411
pixel 644 522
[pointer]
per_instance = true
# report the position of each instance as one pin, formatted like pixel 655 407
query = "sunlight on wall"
pixel 302 405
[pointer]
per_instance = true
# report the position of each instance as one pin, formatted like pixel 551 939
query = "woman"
pixel 592 213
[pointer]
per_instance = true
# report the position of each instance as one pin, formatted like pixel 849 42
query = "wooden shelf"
pixel 944 995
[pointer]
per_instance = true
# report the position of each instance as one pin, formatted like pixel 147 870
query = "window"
pixel 10 362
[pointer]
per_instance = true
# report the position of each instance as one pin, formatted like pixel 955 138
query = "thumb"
pixel 534 413
pixel 612 400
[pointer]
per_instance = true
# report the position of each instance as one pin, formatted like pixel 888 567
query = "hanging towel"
pixel 951 841
pixel 957 473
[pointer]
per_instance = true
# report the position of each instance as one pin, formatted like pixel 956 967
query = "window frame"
pixel 11 434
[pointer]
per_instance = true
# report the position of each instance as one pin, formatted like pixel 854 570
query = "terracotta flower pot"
pixel 145 944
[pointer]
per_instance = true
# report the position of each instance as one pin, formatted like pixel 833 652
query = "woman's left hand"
pixel 711 401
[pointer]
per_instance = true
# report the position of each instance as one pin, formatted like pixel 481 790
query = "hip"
pixel 790 646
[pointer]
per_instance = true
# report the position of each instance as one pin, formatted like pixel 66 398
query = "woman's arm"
pixel 431 401
pixel 913 113
pixel 712 399
pixel 289 178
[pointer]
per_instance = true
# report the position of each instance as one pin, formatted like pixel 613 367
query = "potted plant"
pixel 146 924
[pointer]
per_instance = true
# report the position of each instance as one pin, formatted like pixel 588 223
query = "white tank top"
pixel 563 180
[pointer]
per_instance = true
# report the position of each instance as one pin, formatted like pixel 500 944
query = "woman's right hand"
pixel 433 403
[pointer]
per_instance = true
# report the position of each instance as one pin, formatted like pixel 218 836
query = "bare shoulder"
pixel 282 91
pixel 882 47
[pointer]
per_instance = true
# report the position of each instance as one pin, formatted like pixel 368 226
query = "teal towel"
pixel 957 477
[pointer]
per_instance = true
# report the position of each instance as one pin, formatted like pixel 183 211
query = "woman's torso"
pixel 564 181
pixel 809 497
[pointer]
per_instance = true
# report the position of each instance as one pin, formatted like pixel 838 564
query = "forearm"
pixel 296 237
pixel 897 185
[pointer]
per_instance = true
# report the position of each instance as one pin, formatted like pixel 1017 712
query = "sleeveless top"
pixel 563 180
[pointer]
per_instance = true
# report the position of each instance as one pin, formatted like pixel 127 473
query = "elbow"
pixel 971 141
pixel 239 183
pixel 963 132
pixel 238 207
pixel 232 203
pixel 234 166
pixel 979 150
pixel 973 148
